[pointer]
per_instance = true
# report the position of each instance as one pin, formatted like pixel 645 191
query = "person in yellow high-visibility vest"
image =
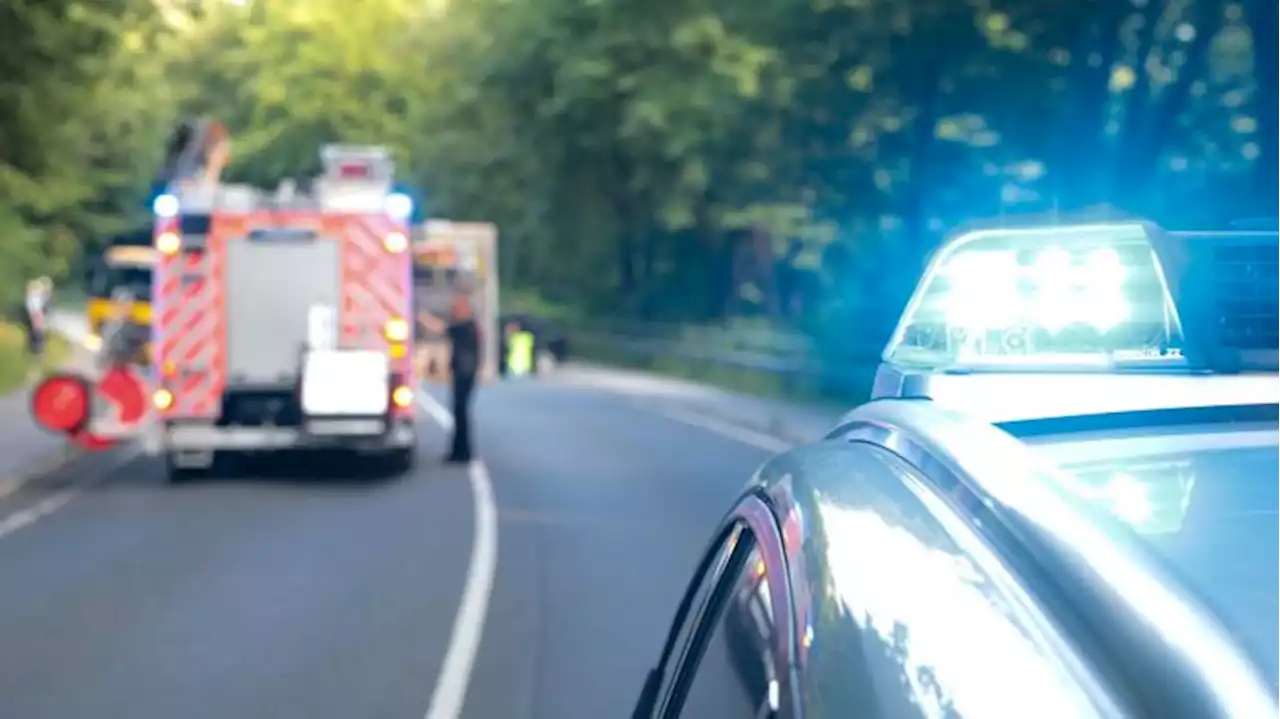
pixel 519 351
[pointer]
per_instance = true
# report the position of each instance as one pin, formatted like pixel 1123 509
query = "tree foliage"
pixel 658 158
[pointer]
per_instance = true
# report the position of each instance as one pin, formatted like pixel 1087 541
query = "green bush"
pixel 15 361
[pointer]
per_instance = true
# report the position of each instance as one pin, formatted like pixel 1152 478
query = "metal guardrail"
pixel 792 359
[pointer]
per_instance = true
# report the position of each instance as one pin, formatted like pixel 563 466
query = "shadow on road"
pixel 328 468
pixel 309 469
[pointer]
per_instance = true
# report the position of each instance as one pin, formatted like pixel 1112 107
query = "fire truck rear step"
pixel 360 434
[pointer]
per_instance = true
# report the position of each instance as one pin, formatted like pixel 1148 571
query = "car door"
pixel 902 607
pixel 725 654
pixel 731 666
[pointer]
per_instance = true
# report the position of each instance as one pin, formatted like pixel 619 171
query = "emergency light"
pixel 165 206
pixel 399 206
pixel 414 201
pixel 1034 324
pixel 1078 295
pixel 355 171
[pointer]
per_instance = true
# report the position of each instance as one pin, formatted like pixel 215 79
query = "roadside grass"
pixel 15 362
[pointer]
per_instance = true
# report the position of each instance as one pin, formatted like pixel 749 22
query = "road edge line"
pixel 43 465
pixel 15 521
pixel 450 692
pixel 729 430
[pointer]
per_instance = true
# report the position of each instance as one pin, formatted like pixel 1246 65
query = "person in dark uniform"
pixel 464 338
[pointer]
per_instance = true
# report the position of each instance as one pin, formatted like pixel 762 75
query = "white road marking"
pixel 437 411
pixel 43 466
pixel 72 327
pixel 726 429
pixel 468 626
pixel 30 515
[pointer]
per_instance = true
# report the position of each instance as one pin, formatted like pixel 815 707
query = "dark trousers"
pixel 35 341
pixel 461 390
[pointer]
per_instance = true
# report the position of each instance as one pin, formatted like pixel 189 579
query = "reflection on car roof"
pixel 1206 502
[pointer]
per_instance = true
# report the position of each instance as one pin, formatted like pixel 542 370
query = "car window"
pixel 729 668
pixel 710 568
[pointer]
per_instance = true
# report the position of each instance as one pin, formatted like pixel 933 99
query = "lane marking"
pixel 431 406
pixel 74 330
pixel 30 515
pixel 468 626
pixel 42 466
pixel 726 429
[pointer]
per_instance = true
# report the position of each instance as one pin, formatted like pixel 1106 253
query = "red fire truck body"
pixel 285 324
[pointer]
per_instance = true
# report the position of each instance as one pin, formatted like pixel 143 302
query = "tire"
pixel 399 461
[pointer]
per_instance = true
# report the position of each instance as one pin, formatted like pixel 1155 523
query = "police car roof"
pixel 991 439
pixel 1019 396
pixel 1062 549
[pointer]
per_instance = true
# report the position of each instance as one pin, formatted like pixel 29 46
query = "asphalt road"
pixel 321 595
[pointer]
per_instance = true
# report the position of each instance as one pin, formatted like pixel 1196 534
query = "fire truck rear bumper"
pixel 355 434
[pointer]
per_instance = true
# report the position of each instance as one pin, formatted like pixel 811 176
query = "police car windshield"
pixel 1204 498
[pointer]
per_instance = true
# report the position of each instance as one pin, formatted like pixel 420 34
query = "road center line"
pixel 468 625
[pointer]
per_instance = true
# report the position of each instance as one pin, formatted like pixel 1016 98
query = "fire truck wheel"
pixel 399 461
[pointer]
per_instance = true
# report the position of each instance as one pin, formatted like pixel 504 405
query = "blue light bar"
pixel 1078 297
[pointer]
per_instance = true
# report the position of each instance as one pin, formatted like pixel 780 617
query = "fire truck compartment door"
pixel 271 288
pixel 345 383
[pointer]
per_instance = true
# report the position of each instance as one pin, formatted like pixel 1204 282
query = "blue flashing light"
pixel 399 206
pixel 1077 296
pixel 417 199
pixel 165 205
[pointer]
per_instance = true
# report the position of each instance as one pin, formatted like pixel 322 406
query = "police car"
pixel 1061 502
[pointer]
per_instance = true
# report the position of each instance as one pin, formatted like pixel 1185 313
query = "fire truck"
pixel 283 321
pixel 451 259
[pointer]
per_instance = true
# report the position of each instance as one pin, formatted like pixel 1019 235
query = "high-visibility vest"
pixel 520 353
